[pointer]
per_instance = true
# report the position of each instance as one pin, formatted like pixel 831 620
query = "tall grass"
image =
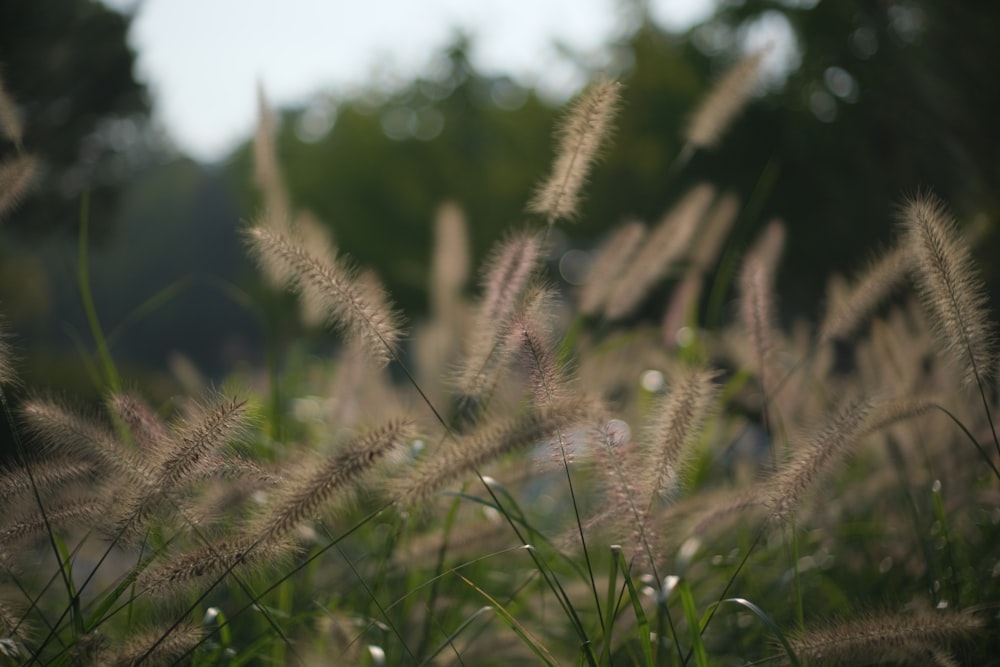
pixel 552 481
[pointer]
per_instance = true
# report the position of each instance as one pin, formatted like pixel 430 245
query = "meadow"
pixel 538 472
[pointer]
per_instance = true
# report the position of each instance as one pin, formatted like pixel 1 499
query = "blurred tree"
pixel 390 158
pixel 867 102
pixel 881 99
pixel 69 68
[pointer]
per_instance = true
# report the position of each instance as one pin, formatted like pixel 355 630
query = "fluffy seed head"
pixel 724 101
pixel 10 120
pixel 460 456
pixel 611 260
pixel 824 448
pixel 359 308
pixel 581 137
pixel 885 637
pixel 665 244
pixel 952 294
pixel 17 173
pixel 508 275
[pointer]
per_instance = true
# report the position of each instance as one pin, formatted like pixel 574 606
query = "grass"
pixel 535 475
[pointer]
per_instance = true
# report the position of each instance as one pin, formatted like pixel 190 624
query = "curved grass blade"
pixel 762 615
pixel 522 632
pixel 691 613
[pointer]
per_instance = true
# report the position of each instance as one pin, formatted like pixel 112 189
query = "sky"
pixel 203 59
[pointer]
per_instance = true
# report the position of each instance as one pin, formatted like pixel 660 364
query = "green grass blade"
pixel 450 639
pixel 611 604
pixel 640 615
pixel 691 614
pixel 83 280
pixel 523 633
pixel 769 622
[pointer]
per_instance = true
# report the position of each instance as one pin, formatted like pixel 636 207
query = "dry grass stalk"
pixel 509 272
pixel 330 480
pixel 952 293
pixel 875 638
pixel 678 420
pixel 169 468
pixel 205 565
pixel 145 426
pixel 885 413
pixel 824 448
pixel 46 474
pixel 459 456
pixel 360 309
pixel 61 432
pixel 78 511
pixel 7 373
pixel 582 135
pixel 532 333
pixel 196 441
pixel 666 243
pixel 724 101
pixel 14 629
pixel 849 312
pixel 17 173
pixel 756 295
pixel 310 232
pixel 267 168
pixel 451 262
pixel 610 262
pixel 10 119
pixel 158 646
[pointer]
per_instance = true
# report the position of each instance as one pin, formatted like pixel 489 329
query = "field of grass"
pixel 536 474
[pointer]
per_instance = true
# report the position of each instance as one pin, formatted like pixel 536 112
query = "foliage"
pixel 517 477
pixel 70 67
pixel 532 474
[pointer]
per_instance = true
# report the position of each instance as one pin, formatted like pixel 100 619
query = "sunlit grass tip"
pixel 581 137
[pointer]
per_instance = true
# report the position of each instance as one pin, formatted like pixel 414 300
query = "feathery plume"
pixel 460 456
pixel 953 295
pixel 679 417
pixel 14 629
pixel 7 373
pixel 10 120
pixel 205 564
pixel 360 309
pixel 450 264
pixel 61 432
pixel 45 474
pixel 756 287
pixel 582 135
pixel 887 412
pixel 267 168
pixel 846 314
pixel 149 432
pixel 828 445
pixel 159 646
pixel 718 221
pixel 16 175
pixel 532 335
pixel 609 263
pixel 875 637
pixel 724 101
pixel 221 421
pixel 311 233
pixel 35 524
pixel 704 253
pixel 300 499
pixel 178 460
pixel 508 274
pixel 669 240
